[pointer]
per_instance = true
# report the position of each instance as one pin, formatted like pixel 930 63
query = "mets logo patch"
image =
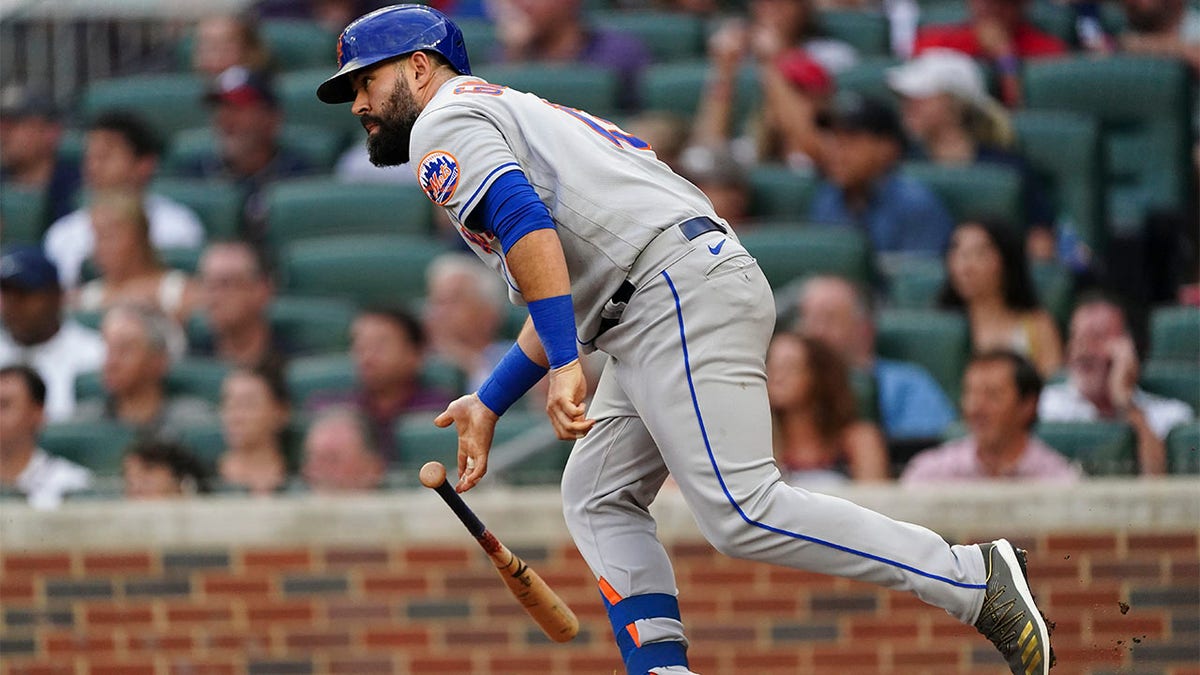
pixel 438 175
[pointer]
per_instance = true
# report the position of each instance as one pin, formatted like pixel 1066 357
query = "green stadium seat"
pixel 866 394
pixel 1173 379
pixel 977 192
pixel 366 269
pixel 98 446
pixel 1055 287
pixel 1049 17
pixel 1064 148
pixel 1175 334
pixel 1183 449
pixel 480 37
pixel 590 88
pixel 170 103
pixel 939 341
pixel 313 325
pixel 788 251
pixel 916 283
pixel 207 443
pixel 70 147
pixel 532 430
pixel 217 202
pixel 319 146
pixel 866 31
pixel 677 87
pixel 197 377
pixel 22 215
pixel 868 78
pixel 1101 448
pixel 444 375
pixel 293 45
pixel 670 36
pixel 309 208
pixel 781 193
pixel 297 92
pixel 1143 105
pixel 327 373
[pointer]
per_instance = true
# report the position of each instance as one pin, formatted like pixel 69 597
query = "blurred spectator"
pixel 120 153
pixel 776 26
pixel 784 130
pixel 225 41
pixel 721 178
pixel 864 188
pixel 1169 28
pixel 557 31
pixel 987 278
pixel 1102 375
pixel 911 404
pixel 354 166
pixel 388 351
pixel 158 469
pixel 30 133
pixel 254 415
pixel 332 15
pixel 666 132
pixel 140 342
pixel 999 402
pixel 999 32
pixel 235 294
pixel 948 113
pixel 24 467
pixel 339 455
pixel 819 436
pixel 247 122
pixel 465 309
pixel 902 16
pixel 130 271
pixel 36 333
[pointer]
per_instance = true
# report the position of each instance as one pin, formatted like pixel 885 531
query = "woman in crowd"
pixel 159 469
pixel 819 435
pixel 254 417
pixel 987 278
pixel 130 271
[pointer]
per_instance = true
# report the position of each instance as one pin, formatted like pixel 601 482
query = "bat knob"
pixel 432 474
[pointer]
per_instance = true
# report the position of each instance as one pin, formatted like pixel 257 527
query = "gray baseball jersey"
pixel 684 389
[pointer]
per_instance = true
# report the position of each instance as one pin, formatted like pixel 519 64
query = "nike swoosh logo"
pixel 717 249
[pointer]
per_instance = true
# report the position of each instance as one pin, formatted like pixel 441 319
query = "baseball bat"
pixel 540 601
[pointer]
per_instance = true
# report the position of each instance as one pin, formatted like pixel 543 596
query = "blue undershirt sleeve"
pixel 510 209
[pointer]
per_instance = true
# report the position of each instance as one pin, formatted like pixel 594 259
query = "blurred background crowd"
pixel 980 218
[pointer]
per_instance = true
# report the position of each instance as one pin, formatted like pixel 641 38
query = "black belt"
pixel 691 228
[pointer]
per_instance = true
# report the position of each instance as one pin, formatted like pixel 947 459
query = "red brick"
pixel 79 643
pixel 1129 625
pixel 293 611
pixel 759 661
pixel 689 605
pixel 1185 570
pixel 1165 542
pixel 40 669
pixel 160 642
pixel 1078 544
pixel 37 563
pixel 393 638
pixel 356 557
pixel 203 666
pixel 439 556
pixel 110 615
pixel 721 577
pixel 118 563
pixel 444 664
pixel 357 666
pixel 1093 654
pixel 701 551
pixel 881 628
pixel 16 590
pixel 309 640
pixel 507 663
pixel 222 585
pixel 470 583
pixel 188 613
pixel 253 642
pixel 1092 596
pixel 122 668
pixel 391 583
pixel 594 663
pixel 1127 570
pixel 357 610
pixel 905 659
pixel 567 580
pixel 1055 569
pixel 472 636
pixel 765 603
pixel 278 559
pixel 848 657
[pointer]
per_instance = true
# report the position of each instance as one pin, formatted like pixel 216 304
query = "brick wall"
pixel 1124 602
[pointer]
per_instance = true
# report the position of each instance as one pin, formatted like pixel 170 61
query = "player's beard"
pixel 388 146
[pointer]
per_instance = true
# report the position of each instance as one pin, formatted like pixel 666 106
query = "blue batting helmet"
pixel 387 33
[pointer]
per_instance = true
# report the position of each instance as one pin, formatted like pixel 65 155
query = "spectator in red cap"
pixel 247 122
pixel 997 31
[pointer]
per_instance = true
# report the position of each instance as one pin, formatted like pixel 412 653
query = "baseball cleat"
pixel 1009 617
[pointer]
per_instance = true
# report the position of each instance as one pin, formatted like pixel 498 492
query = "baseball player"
pixel 612 251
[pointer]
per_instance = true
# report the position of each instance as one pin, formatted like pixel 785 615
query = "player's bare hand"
pixel 476 425
pixel 564 402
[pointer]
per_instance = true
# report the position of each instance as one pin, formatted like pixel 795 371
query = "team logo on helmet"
pixel 438 175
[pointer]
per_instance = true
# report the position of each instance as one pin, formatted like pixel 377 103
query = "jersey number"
pixel 605 128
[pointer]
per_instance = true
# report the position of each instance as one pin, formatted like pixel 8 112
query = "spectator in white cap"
pixel 952 120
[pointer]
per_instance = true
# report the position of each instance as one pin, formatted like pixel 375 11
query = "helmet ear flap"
pixel 390 32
